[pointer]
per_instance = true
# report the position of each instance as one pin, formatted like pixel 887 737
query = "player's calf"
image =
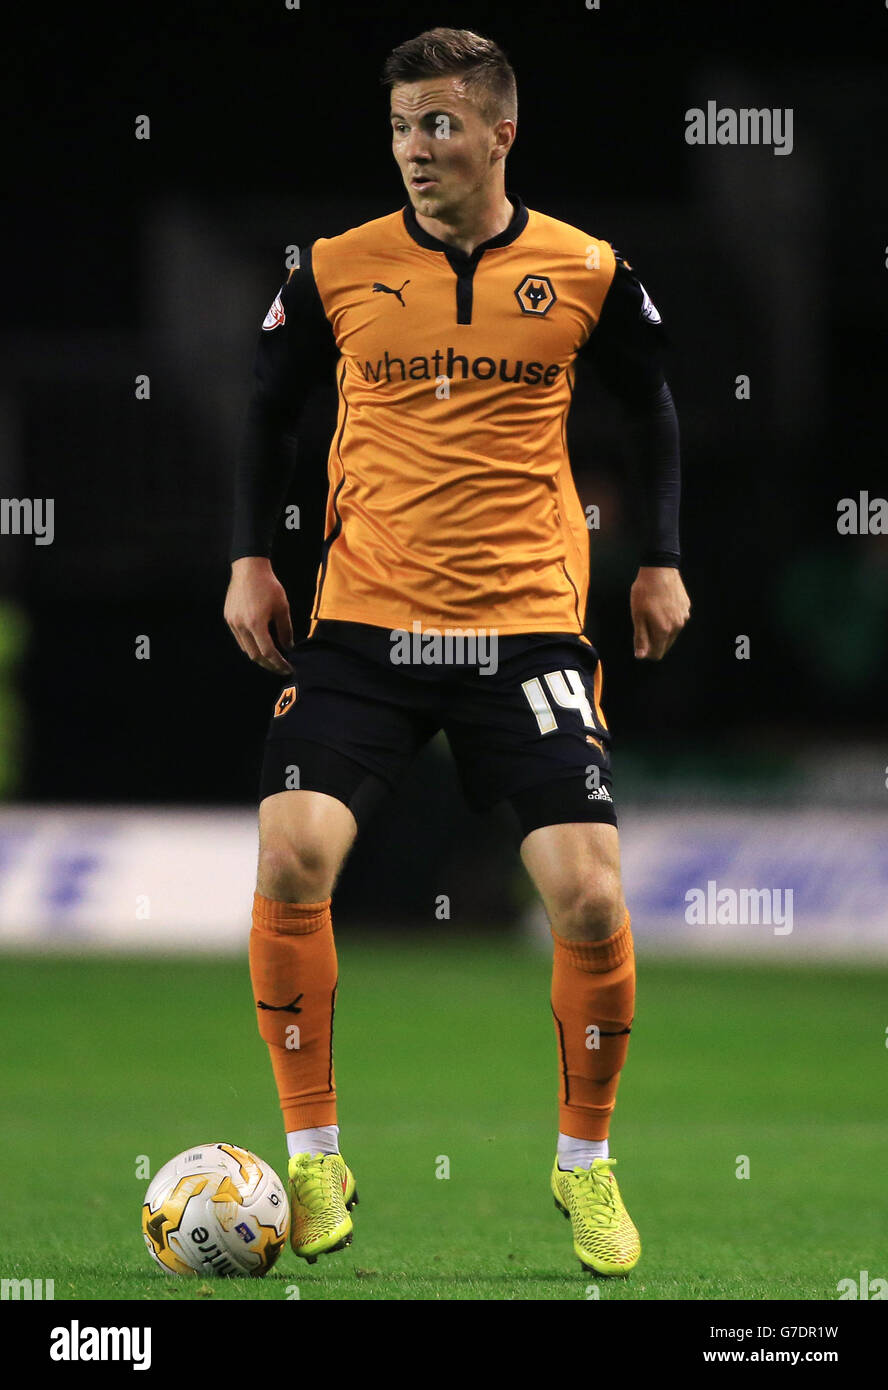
pixel 293 965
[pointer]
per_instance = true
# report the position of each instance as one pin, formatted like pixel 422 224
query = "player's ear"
pixel 503 137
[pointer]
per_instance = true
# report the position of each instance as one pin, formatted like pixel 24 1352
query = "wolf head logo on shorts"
pixel 286 698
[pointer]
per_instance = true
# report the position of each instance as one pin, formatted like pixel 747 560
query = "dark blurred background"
pixel 269 128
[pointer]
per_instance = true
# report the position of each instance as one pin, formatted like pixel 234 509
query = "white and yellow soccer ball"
pixel 215 1209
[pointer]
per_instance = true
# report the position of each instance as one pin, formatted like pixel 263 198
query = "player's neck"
pixel 472 224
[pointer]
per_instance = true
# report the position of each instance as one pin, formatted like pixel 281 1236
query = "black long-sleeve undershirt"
pixel 286 368
pixel 266 463
pixel 626 349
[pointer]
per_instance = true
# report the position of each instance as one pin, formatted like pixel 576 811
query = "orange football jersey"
pixel 451 498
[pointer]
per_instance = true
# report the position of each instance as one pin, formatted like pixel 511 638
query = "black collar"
pixel 504 238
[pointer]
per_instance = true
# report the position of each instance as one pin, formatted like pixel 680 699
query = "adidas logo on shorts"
pixel 599 794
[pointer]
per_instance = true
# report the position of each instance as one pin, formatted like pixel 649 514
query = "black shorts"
pixel 523 719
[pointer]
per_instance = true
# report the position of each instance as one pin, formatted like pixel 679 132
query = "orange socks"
pixel 294 973
pixel 293 968
pixel 593 998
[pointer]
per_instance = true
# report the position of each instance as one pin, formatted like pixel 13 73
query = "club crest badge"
pixel 535 295
pixel 286 698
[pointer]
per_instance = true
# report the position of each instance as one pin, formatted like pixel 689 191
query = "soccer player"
pixel 452 327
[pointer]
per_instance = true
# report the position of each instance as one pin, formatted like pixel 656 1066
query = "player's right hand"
pixel 256 601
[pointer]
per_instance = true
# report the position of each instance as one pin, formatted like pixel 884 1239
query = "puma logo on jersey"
pixel 379 288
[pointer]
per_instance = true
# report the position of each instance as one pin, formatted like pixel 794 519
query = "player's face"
pixel 443 146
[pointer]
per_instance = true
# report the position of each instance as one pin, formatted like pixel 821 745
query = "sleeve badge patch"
pixel 275 316
pixel 649 309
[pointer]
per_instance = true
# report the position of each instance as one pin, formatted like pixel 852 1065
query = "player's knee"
pixel 595 909
pixel 295 871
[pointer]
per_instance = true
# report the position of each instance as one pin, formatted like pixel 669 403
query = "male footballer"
pixel 452 327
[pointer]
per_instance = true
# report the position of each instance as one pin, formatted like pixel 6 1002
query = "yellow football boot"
pixel 322 1193
pixel 604 1238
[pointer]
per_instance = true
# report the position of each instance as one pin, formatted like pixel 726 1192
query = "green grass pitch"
pixel 446 1047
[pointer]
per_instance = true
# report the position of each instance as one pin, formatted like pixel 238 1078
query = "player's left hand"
pixel 660 608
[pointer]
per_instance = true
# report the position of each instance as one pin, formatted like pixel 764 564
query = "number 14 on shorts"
pixel 567 690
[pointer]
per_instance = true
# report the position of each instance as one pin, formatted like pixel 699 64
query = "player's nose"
pixel 417 147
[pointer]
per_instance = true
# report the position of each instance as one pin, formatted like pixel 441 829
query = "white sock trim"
pixel 579 1153
pixel 324 1139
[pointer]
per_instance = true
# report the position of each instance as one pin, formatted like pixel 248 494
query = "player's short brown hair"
pixel 481 63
